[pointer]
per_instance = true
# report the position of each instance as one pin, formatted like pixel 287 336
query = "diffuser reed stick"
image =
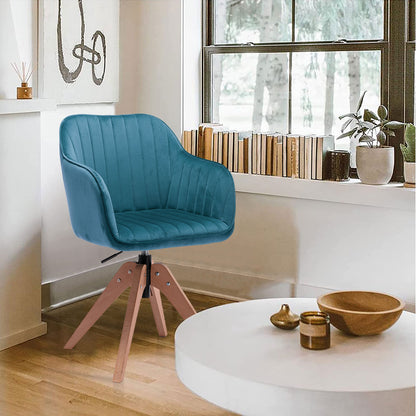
pixel 24 72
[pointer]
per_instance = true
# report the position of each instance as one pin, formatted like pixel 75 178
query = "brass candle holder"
pixel 314 330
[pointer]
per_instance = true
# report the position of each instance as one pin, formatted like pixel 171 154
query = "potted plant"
pixel 408 151
pixel 375 160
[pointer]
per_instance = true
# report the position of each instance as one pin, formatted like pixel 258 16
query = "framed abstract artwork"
pixel 79 51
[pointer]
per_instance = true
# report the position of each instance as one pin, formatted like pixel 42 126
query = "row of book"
pixel 286 155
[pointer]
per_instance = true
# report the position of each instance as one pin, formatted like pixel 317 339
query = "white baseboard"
pixel 23 336
pixel 233 286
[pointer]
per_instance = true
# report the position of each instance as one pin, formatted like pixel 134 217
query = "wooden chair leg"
pixel 157 309
pixel 120 282
pixel 164 280
pixel 136 292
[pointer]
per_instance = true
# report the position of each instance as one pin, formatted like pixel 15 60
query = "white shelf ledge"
pixel 393 195
pixel 35 105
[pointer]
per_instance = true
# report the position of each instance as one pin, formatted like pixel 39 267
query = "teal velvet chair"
pixel 131 186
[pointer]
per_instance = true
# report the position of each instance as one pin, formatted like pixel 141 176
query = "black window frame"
pixel 397 50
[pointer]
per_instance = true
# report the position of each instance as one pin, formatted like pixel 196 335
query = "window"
pixel 296 65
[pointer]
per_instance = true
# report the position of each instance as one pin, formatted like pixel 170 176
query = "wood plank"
pixel 40 377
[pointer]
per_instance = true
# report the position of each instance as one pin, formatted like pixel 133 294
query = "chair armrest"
pixel 202 187
pixel 90 206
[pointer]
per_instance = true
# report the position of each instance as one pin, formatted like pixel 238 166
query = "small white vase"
pixel 409 172
pixel 375 164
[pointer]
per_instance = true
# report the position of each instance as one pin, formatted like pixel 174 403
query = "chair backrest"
pixel 134 154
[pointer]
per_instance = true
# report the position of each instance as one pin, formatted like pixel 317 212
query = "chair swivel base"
pixel 133 275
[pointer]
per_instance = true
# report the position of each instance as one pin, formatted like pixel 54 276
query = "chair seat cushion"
pixel 161 228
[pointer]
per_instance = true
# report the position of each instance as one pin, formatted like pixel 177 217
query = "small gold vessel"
pixel 285 319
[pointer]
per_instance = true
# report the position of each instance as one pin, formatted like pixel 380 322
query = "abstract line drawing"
pixel 79 48
pixel 81 51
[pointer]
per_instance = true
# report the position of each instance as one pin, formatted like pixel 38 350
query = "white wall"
pixel 289 246
pixel 278 241
pixel 63 254
pixel 20 212
pixel 150 61
pixel 17 40
pixel 20 226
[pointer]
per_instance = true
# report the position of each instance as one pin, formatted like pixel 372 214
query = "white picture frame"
pixel 79 51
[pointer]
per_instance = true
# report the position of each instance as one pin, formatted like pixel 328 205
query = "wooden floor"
pixel 40 378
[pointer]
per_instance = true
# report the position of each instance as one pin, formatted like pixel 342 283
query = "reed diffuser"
pixel 24 72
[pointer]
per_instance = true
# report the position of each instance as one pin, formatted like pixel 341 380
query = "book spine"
pixel 319 144
pixel 263 154
pixel 308 157
pixel 194 135
pixel 284 155
pixel 258 155
pixel 245 155
pixel 289 157
pixel 240 155
pixel 328 143
pixel 201 147
pixel 183 139
pixel 189 141
pixel 295 157
pixel 302 157
pixel 225 149
pixel 254 153
pixel 313 157
pixel 269 150
pixel 219 150
pixel 280 156
pixel 249 140
pixel 208 139
pixel 274 156
pixel 231 151
pixel 235 154
pixel 214 153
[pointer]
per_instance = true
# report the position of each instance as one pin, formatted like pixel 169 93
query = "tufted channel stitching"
pixel 131 186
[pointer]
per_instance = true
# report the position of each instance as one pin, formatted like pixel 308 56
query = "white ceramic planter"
pixel 409 172
pixel 375 165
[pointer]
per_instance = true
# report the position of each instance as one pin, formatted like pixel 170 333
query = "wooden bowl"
pixel 361 313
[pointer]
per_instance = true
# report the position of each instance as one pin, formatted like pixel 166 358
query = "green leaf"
pixel 366 139
pixel 370 114
pixel 346 124
pixel 409 134
pixel 360 101
pixel 382 112
pixel 381 137
pixel 393 125
pixel 347 115
pixel 367 116
pixel 368 125
pixel 347 134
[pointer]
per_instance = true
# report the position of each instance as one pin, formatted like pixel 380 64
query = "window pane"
pixel 250 91
pixel 252 21
pixel 317 20
pixel 329 84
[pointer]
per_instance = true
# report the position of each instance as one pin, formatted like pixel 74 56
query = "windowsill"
pixel 34 105
pixel 392 195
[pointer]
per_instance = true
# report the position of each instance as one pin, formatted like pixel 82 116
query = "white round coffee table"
pixel 234 357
